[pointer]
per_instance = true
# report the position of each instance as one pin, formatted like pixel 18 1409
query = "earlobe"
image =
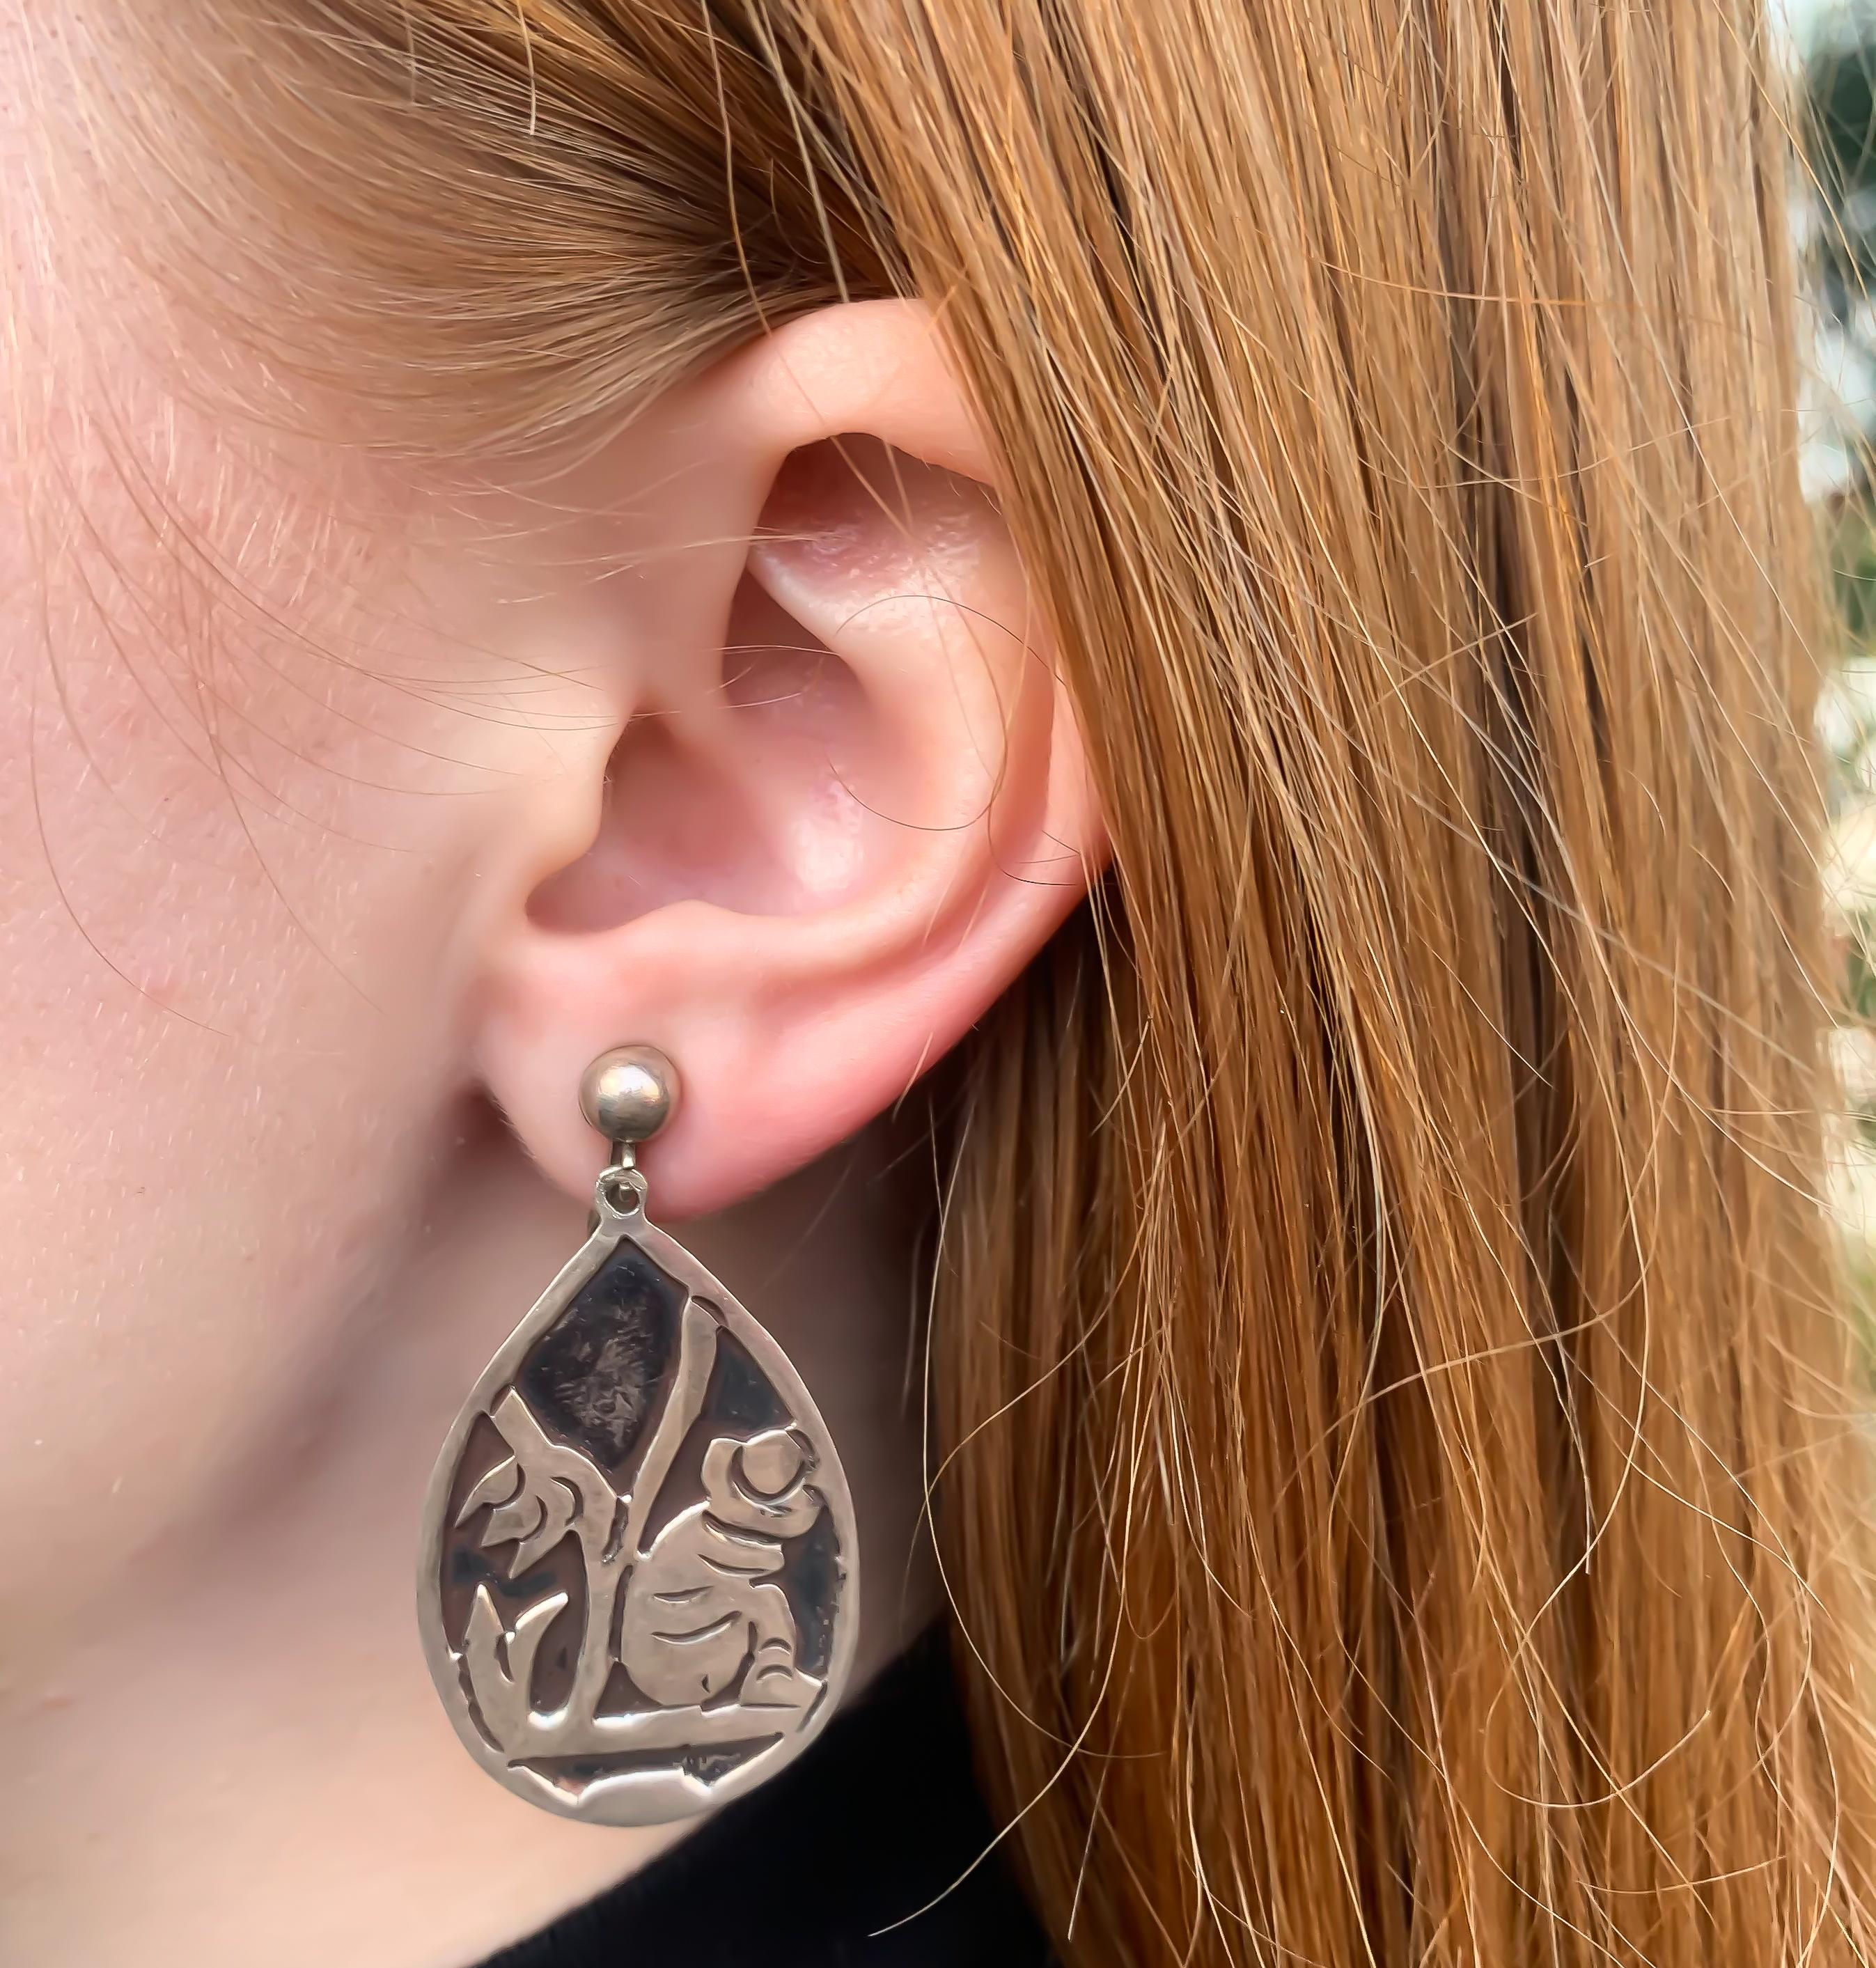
pixel 847 802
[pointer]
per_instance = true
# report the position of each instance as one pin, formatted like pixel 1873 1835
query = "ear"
pixel 840 799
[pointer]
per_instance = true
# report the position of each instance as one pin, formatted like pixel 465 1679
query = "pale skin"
pixel 300 893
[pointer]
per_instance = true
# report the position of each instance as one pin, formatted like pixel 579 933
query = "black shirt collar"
pixel 873 1850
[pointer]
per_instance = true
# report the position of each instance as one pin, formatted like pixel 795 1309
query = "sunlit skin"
pixel 312 874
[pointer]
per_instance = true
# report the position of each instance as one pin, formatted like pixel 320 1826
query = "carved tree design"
pixel 542 1491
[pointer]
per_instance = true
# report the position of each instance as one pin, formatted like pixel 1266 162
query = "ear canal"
pixel 768 795
pixel 746 804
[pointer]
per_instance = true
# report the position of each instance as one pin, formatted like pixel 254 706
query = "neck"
pixel 250 1720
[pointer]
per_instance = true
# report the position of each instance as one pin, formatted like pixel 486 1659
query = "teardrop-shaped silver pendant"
pixel 638 1579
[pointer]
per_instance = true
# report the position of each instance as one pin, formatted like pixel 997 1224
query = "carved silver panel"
pixel 638 1579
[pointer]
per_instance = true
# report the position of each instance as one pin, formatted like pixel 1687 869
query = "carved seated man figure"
pixel 704 1599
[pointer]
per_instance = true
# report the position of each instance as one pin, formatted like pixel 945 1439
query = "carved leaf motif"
pixel 550 1489
pixel 500 1664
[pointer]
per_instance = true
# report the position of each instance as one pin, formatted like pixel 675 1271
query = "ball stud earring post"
pixel 628 1094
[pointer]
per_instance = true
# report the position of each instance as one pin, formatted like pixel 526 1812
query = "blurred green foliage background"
pixel 1834 213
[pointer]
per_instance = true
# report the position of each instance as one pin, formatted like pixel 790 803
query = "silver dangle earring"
pixel 637 1584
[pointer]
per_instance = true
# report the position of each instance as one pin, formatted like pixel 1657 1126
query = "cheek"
pixel 230 870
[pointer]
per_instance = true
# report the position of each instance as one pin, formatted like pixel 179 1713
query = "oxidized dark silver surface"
pixel 637 1583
